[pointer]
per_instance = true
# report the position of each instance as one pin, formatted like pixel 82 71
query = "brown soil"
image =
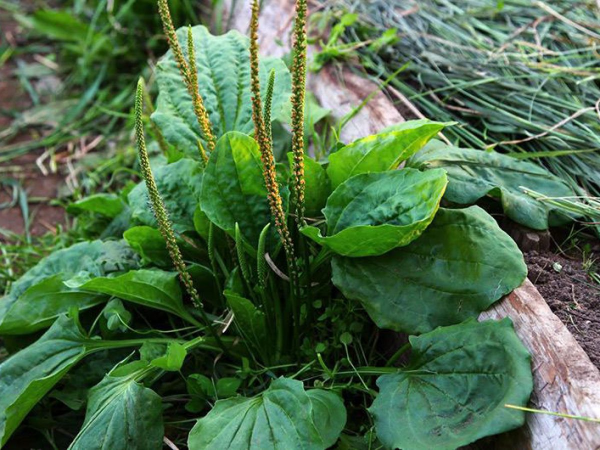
pixel 44 217
pixel 572 296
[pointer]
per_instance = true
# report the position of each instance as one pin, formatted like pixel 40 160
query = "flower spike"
pixel 266 149
pixel 298 100
pixel 188 71
pixel 158 206
pixel 199 109
pixel 169 30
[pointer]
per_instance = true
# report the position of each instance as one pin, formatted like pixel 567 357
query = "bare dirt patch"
pixel 572 296
pixel 23 170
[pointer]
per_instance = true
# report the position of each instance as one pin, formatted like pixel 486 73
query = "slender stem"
pixel 397 355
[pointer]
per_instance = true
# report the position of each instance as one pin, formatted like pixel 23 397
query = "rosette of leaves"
pixel 263 331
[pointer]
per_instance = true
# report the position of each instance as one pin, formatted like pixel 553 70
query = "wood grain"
pixel 565 380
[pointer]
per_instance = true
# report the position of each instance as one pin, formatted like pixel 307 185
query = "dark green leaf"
pixel 147 287
pixel 179 185
pixel 455 387
pixel 149 244
pixel 29 374
pixel 381 152
pixel 461 265
pixel 283 417
pixel 473 174
pixel 234 188
pixel 121 415
pixel 373 213
pixel 42 303
pixel 250 321
pixel 329 414
pixel 94 258
pixel 224 80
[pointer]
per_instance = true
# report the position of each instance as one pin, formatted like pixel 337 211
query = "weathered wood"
pixel 565 380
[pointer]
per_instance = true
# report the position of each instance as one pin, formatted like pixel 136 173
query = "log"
pixel 565 380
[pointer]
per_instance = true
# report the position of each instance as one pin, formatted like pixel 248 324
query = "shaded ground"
pixel 23 171
pixel 572 296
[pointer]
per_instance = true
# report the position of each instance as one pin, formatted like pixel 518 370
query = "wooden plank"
pixel 565 380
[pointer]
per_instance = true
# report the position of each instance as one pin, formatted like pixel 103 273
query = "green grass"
pixel 520 77
pixel 92 53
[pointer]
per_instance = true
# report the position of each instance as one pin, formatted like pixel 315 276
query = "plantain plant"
pixel 246 304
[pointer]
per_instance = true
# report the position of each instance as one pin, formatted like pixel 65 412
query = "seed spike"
pixel 194 90
pixel 203 154
pixel 268 104
pixel 158 206
pixel 169 30
pixel 266 150
pixel 298 101
pixel 162 143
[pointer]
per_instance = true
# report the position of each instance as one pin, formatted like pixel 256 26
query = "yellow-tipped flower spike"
pixel 169 30
pixel 298 99
pixel 158 206
pixel 266 149
pixel 193 88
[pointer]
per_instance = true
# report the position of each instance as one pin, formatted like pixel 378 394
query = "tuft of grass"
pixel 521 76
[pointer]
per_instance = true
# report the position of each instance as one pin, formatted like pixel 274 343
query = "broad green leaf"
pixel 121 414
pixel 373 213
pixel 96 258
pixel 455 387
pixel 224 81
pixel 28 375
pixel 381 152
pixel 318 185
pixel 461 264
pixel 149 244
pixel 173 359
pixel 42 303
pixel 234 188
pixel 109 205
pixel 251 321
pixel 201 223
pixel 282 417
pixel 329 414
pixel 179 185
pixel 473 174
pixel 147 287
